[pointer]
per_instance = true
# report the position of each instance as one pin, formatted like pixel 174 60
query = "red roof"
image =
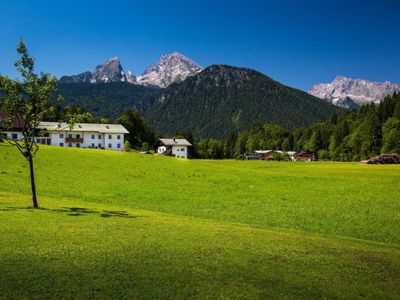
pixel 18 123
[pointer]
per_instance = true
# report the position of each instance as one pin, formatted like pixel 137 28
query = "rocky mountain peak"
pixel 223 75
pixel 110 71
pixel 173 67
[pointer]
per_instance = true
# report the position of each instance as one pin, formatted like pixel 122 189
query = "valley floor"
pixel 123 225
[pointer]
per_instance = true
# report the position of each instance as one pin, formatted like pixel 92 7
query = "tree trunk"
pixel 34 199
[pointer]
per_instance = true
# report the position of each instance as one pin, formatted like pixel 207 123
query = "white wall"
pixel 180 151
pixel 90 140
pixel 161 149
pixel 114 141
pixel 9 134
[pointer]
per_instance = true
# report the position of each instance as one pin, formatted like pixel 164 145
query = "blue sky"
pixel 298 43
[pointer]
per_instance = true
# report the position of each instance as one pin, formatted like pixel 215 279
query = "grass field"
pixel 125 225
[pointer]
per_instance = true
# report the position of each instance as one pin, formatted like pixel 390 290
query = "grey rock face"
pixel 110 71
pixel 173 67
pixel 345 91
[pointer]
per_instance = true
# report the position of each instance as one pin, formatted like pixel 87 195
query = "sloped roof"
pixel 18 122
pixel 84 127
pixel 263 151
pixel 175 142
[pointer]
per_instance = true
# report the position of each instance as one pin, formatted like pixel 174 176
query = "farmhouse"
pixel 265 154
pixel 304 156
pixel 81 135
pixel 173 147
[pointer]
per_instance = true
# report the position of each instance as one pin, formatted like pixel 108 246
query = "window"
pixel 61 135
pixel 118 137
pixel 92 145
pixel 61 144
pixel 109 137
pixel 14 136
pixel 69 145
pixel 99 136
pixel 78 136
pixel 177 149
pixel 93 136
pixel 118 146
pixel 70 135
pixel 109 145
pixel 99 145
pixel 78 145
pixel 182 149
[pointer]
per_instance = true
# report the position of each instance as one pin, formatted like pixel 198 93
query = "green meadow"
pixel 125 225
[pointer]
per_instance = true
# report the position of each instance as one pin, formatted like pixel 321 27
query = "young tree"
pixel 28 99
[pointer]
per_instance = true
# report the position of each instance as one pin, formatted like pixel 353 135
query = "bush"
pixel 323 155
pixel 281 156
pixel 127 146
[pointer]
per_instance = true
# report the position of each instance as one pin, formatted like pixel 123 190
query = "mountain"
pixel 222 99
pixel 348 92
pixel 110 71
pixel 170 68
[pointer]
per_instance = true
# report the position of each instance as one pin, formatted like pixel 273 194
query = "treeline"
pixel 58 113
pixel 353 136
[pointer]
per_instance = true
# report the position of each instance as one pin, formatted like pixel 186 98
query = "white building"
pixel 82 135
pixel 173 147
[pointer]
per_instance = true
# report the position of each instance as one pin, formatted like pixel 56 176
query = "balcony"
pixel 74 140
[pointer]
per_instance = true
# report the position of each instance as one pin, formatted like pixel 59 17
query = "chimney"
pixel 174 139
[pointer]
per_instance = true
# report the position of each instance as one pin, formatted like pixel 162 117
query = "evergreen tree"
pixel 391 136
pixel 139 131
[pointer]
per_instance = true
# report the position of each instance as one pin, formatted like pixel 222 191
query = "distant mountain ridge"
pixel 348 92
pixel 173 67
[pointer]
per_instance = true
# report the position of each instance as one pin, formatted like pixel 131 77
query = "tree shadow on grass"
pixel 77 211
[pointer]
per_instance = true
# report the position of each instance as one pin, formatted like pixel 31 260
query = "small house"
pixel 304 156
pixel 173 147
pixel 265 154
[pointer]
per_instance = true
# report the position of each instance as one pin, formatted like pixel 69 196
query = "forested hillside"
pixel 356 135
pixel 221 100
pixel 109 100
